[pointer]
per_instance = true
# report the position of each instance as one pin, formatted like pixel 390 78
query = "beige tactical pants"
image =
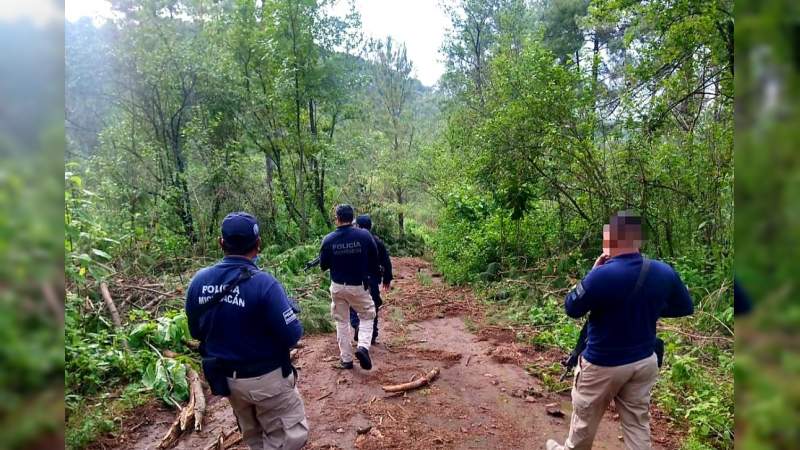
pixel 343 298
pixel 594 388
pixel 270 411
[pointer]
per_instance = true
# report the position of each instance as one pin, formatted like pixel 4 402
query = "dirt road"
pixel 483 399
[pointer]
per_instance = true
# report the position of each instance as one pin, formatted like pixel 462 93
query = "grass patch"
pixel 471 325
pixel 424 278
pixel 550 377
pixel 92 418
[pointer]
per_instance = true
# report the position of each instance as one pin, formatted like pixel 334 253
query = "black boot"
pixel 343 365
pixel 363 358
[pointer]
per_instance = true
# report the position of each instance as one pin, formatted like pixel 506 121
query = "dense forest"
pixel 550 117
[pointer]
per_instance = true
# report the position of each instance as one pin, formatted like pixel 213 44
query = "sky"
pixel 40 12
pixel 420 24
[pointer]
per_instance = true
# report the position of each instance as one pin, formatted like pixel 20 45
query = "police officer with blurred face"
pixel 246 326
pixel 384 279
pixel 624 294
pixel 352 257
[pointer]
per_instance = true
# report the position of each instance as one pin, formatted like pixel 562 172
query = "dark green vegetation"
pixel 560 115
pixel 548 119
pixel 31 277
pixel 767 224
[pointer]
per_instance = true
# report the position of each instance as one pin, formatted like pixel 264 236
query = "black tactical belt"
pixel 257 369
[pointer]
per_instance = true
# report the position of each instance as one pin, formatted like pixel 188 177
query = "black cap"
pixel 345 212
pixel 239 232
pixel 364 221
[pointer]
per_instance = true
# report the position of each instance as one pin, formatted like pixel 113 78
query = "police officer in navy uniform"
pixel 375 283
pixel 246 334
pixel 352 257
pixel 624 294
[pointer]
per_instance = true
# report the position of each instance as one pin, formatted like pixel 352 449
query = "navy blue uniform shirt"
pixel 253 324
pixel 383 260
pixel 622 329
pixel 351 255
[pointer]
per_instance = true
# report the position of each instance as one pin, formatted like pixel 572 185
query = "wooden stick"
pixel 199 399
pixel 112 308
pixel 173 433
pixel 225 440
pixel 427 379
pixel 146 289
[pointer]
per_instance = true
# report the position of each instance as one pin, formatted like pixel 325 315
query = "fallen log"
pixel 427 379
pixel 173 433
pixel 112 308
pixel 225 440
pixel 194 409
pixel 199 399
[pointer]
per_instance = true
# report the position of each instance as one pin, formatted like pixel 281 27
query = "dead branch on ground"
pixel 194 409
pixel 112 308
pixel 427 379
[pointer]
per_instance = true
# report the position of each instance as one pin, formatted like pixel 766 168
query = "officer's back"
pixel 624 295
pixel 249 323
pixel 246 326
pixel 351 255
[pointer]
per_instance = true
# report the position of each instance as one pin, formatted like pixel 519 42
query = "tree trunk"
pixel 400 216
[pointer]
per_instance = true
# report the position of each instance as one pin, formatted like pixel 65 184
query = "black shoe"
pixel 363 358
pixel 343 365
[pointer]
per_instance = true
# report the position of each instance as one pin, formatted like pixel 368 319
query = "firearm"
pixel 311 264
pixel 572 360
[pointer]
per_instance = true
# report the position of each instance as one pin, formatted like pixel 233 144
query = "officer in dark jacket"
pixel 624 295
pixel 385 265
pixel 247 334
pixel 352 257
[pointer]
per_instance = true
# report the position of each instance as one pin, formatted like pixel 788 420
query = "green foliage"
pixel 700 396
pixel 87 423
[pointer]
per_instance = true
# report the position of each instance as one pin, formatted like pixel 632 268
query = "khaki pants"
pixel 594 388
pixel 343 298
pixel 270 411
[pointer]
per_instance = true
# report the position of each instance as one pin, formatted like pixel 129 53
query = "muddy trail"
pixel 483 399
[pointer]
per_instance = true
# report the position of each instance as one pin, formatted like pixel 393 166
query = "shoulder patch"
pixel 579 290
pixel 289 316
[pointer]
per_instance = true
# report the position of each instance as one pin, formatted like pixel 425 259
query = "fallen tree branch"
pixel 199 399
pixel 112 308
pixel 141 288
pixel 173 433
pixel 194 409
pixel 427 379
pixel 225 440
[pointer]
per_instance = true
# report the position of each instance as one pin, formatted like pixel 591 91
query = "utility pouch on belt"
pixel 215 373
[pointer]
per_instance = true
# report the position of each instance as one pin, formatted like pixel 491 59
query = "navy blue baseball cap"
pixel 345 212
pixel 239 232
pixel 364 221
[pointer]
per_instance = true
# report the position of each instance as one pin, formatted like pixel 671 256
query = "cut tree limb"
pixel 427 379
pixel 173 433
pixel 195 409
pixel 199 399
pixel 112 308
pixel 225 440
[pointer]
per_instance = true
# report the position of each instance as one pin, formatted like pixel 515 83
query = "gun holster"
pixel 659 351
